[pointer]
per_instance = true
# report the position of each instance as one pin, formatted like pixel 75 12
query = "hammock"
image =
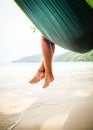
pixel 67 23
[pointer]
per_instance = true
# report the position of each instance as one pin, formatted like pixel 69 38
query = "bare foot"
pixel 39 76
pixel 47 82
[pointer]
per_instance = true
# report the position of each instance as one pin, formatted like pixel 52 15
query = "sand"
pixel 67 104
pixel 60 110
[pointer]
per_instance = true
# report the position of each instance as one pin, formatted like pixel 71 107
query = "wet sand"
pixel 67 104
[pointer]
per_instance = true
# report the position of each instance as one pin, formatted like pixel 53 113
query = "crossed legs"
pixel 45 69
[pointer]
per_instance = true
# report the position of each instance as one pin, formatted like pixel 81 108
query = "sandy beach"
pixel 67 104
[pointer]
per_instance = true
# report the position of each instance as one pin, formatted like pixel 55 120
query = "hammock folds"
pixel 67 23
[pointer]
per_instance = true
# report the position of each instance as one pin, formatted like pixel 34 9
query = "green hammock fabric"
pixel 67 23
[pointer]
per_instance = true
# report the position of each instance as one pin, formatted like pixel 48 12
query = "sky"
pixel 17 39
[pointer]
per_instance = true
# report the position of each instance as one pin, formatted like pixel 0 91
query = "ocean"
pixel 17 95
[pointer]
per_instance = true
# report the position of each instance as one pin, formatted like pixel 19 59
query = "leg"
pixel 45 69
pixel 40 74
pixel 48 49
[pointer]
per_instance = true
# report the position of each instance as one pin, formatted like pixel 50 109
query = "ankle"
pixel 42 71
pixel 49 78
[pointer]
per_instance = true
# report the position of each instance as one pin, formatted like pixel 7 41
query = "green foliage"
pixel 90 2
pixel 66 57
pixel 72 57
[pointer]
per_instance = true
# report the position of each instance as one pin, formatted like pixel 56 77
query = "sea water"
pixel 16 94
pixel 16 75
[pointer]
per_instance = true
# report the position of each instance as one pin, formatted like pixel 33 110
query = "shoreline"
pixel 27 107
